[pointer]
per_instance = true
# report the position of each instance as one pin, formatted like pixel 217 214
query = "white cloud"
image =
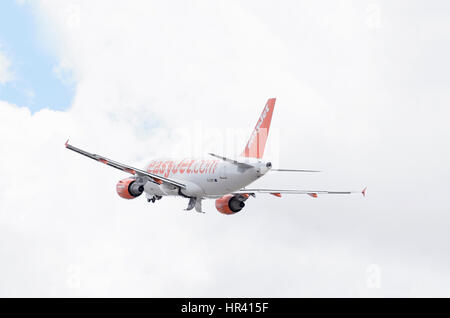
pixel 5 69
pixel 349 102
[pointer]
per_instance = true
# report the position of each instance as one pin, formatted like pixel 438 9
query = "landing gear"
pixel 154 198
pixel 195 203
pixel 191 204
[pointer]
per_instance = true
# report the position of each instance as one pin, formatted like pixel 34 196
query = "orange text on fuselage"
pixel 187 166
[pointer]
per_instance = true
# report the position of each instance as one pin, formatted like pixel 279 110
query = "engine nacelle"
pixel 230 204
pixel 129 189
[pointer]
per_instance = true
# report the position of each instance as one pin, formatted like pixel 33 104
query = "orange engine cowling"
pixel 230 204
pixel 129 189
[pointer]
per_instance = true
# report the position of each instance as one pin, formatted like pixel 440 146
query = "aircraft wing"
pixel 312 193
pixel 135 171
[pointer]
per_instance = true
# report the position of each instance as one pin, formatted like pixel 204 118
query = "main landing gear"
pixel 154 198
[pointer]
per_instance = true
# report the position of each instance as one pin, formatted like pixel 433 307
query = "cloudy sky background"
pixel 362 94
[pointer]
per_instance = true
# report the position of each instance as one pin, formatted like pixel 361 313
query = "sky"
pixel 29 74
pixel 362 94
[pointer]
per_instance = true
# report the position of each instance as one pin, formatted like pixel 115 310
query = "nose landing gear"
pixel 195 203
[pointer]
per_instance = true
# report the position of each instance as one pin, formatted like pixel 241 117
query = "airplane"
pixel 214 177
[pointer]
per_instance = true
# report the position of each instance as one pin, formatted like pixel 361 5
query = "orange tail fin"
pixel 257 142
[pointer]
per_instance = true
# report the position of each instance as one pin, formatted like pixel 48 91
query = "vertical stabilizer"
pixel 257 142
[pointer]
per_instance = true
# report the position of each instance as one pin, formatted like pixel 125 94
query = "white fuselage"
pixel 204 178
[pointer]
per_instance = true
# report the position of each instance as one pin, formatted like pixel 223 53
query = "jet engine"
pixel 129 189
pixel 231 204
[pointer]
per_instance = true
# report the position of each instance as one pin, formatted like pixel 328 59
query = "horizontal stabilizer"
pixel 294 170
pixel 235 162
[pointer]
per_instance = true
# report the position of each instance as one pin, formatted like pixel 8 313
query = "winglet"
pixel 364 191
pixel 67 143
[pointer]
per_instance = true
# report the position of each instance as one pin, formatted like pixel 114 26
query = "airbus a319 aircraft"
pixel 214 177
